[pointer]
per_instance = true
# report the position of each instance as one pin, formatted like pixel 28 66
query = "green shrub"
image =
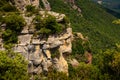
pixel 77 47
pixel 14 22
pixel 6 7
pixel 65 21
pixel 14 25
pixel 1 18
pixel 47 25
pixel 9 36
pixel 32 9
pixel 41 4
pixel 54 75
pixel 39 22
pixel 116 22
pixel 53 25
pixel 84 72
pixel 44 31
pixel 108 63
pixel 13 66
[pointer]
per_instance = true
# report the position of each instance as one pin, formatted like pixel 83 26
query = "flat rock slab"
pixel 24 39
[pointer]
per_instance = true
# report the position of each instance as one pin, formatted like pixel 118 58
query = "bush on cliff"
pixel 47 25
pixel 12 66
pixel 14 25
pixel 6 7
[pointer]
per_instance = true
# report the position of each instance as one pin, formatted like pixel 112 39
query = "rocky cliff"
pixel 21 4
pixel 40 51
pixel 44 52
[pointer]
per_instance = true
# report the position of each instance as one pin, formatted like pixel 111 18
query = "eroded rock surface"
pixel 21 4
pixel 39 51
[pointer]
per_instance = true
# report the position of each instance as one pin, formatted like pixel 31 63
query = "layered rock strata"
pixel 39 51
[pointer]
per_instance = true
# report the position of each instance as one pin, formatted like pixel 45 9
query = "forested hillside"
pixel 93 22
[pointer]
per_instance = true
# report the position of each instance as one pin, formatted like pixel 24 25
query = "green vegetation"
pixel 41 4
pixel 13 66
pixel 54 75
pixel 116 21
pixel 93 22
pixel 96 23
pixel 30 8
pixel 77 47
pixel 108 63
pixel 84 72
pixel 48 25
pixel 14 25
pixel 6 7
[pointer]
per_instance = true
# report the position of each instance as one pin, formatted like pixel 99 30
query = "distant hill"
pixel 111 4
pixel 94 22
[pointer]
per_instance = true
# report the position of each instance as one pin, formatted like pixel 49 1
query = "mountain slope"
pixel 111 4
pixel 94 22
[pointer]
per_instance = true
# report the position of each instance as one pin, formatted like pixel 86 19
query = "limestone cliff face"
pixel 21 4
pixel 39 51
pixel 43 52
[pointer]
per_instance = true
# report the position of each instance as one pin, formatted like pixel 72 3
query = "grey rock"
pixel 46 46
pixel 55 44
pixel 31 48
pixel 36 41
pixel 42 42
pixel 24 39
pixel 22 50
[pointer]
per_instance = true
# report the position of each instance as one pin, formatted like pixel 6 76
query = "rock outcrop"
pixel 38 51
pixel 46 5
pixel 74 6
pixel 21 4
